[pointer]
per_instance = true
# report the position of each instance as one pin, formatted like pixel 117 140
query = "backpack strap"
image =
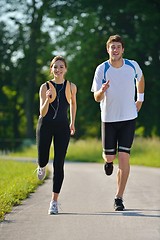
pixel 106 67
pixel 47 85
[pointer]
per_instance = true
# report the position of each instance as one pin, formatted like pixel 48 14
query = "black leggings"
pixel 60 133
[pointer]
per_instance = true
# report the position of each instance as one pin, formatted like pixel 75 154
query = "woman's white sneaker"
pixel 41 173
pixel 53 208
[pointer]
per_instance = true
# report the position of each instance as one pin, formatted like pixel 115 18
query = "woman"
pixel 56 96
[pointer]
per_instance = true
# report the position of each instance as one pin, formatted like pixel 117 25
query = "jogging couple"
pixel 114 87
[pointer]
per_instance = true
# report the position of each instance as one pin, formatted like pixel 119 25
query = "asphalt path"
pixel 87 208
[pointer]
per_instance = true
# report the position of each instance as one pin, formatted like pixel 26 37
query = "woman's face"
pixel 58 69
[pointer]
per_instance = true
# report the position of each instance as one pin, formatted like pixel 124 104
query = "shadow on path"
pixel 126 213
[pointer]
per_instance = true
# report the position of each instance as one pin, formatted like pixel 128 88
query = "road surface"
pixel 87 208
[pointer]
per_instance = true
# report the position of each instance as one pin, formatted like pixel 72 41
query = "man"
pixel 114 87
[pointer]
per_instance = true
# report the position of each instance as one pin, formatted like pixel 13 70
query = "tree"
pixel 27 53
pixel 32 32
pixel 86 27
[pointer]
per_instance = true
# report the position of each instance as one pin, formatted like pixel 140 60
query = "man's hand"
pixel 105 86
pixel 99 95
pixel 138 105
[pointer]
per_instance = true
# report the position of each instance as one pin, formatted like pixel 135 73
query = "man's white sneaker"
pixel 53 208
pixel 41 173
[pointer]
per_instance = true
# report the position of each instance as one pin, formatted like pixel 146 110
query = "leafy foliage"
pixel 32 32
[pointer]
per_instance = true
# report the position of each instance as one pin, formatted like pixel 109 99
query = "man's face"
pixel 115 51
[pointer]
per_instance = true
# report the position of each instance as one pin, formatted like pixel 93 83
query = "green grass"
pixel 28 152
pixel 145 151
pixel 89 150
pixel 17 181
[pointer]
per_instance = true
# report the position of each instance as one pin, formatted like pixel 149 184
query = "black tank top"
pixel 58 109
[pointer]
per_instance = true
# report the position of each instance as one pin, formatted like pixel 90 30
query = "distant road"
pixel 87 208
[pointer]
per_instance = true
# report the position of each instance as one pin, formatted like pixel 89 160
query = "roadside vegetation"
pixel 18 178
pixel 145 151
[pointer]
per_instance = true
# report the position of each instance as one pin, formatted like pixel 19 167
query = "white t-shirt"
pixel 118 103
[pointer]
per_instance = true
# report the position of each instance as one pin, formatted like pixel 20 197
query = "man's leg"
pixel 123 173
pixel 108 166
pixel 125 139
pixel 109 144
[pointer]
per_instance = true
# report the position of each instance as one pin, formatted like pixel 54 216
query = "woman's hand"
pixel 49 93
pixel 72 129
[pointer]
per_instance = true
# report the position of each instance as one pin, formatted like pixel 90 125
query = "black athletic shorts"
pixel 117 135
